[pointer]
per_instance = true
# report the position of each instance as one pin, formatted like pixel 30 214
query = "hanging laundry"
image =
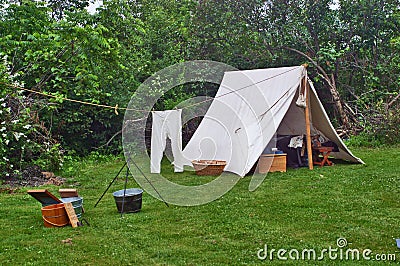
pixel 166 124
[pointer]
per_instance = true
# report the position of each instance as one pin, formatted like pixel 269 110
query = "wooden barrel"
pixel 55 215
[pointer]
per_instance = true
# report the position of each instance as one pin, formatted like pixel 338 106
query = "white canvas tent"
pixel 252 106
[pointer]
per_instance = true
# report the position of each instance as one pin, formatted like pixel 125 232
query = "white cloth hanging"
pixel 166 124
pixel 301 100
pixel 296 142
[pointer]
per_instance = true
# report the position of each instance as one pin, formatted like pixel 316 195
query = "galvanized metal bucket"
pixel 132 202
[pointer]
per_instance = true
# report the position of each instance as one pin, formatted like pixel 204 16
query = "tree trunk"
pixel 332 88
pixel 338 104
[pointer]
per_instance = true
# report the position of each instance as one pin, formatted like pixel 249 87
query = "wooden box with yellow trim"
pixel 272 163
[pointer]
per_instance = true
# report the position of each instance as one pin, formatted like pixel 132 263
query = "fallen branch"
pixel 109 141
pixel 392 101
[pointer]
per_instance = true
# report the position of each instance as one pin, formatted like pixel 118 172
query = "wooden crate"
pixel 68 192
pixel 272 163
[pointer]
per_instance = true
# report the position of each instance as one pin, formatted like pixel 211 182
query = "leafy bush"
pixel 380 123
pixel 363 140
pixel 24 139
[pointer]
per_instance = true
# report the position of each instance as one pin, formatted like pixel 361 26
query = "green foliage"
pixel 382 124
pixel 59 7
pixel 363 140
pixel 229 32
pixel 71 58
pixel 24 140
pixel 354 43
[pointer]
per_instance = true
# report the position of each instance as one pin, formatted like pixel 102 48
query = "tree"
pixel 62 59
pixel 59 7
pixel 228 31
pixel 24 138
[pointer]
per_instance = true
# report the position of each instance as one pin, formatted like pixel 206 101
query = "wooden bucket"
pixel 55 215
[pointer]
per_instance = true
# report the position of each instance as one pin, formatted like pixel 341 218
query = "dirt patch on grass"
pixel 32 176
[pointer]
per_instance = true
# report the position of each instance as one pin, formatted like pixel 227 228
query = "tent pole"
pixel 308 126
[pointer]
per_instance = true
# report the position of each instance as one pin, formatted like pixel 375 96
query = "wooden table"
pixel 324 152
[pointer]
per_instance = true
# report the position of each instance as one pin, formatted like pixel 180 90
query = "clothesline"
pixel 116 107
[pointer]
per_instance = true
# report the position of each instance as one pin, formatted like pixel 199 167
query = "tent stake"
pixel 308 127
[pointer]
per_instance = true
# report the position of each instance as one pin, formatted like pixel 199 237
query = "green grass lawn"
pixel 300 209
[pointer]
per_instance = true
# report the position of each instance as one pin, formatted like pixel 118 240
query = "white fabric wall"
pixel 247 111
pixel 234 128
